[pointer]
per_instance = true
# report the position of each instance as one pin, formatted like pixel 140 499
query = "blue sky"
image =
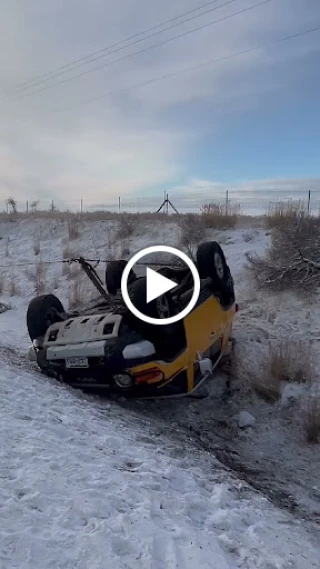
pixel 249 123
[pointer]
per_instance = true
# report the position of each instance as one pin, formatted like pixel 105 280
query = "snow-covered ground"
pixel 87 482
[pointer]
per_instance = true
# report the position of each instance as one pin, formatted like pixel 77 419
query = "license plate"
pixel 79 362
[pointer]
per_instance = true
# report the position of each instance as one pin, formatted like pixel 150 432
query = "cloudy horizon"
pixel 248 123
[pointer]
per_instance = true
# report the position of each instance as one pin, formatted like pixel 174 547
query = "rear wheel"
pixel 211 263
pixel 42 312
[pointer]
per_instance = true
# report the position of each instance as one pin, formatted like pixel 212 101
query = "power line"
pixel 83 60
pixel 183 34
pixel 194 67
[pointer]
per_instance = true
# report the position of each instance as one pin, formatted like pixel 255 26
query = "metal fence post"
pixel 309 201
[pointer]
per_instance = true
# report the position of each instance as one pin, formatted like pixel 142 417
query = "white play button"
pixel 157 284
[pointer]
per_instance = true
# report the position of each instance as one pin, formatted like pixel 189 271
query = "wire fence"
pixel 240 203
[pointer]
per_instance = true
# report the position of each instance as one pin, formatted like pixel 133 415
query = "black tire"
pixel 211 262
pixel 42 312
pixel 113 276
pixel 161 307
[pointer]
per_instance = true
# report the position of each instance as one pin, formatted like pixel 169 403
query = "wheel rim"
pixel 218 264
pixel 163 308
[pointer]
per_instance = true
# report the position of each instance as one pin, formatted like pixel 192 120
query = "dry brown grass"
pixel 256 374
pixel 284 213
pixel 38 278
pixel 292 360
pixel 221 217
pixel 266 387
pixel 311 420
pixel 2 284
pixel 285 360
pixel 73 228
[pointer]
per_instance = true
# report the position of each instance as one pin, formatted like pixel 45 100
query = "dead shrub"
pixel 2 282
pixel 36 245
pixel 14 289
pixel 38 278
pixel 74 271
pixel 55 282
pixel 288 360
pixel 67 254
pixel 311 420
pixel 75 294
pixel 111 248
pixel 193 230
pixel 73 228
pixel 66 270
pixel 292 261
pixel 221 217
pixel 127 225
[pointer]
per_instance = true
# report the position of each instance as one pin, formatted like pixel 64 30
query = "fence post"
pixel 119 204
pixel 81 206
pixel 309 200
pixel 52 206
pixel 227 201
pixel 27 206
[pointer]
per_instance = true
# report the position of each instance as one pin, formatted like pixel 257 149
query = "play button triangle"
pixel 157 284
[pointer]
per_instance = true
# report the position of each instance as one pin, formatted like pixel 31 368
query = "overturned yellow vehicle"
pixel 104 347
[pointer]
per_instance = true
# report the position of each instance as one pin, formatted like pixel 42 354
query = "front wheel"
pixel 161 307
pixel 43 311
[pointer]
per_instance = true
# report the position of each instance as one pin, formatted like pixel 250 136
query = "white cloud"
pixel 126 142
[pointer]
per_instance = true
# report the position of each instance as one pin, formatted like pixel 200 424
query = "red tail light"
pixel 152 375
